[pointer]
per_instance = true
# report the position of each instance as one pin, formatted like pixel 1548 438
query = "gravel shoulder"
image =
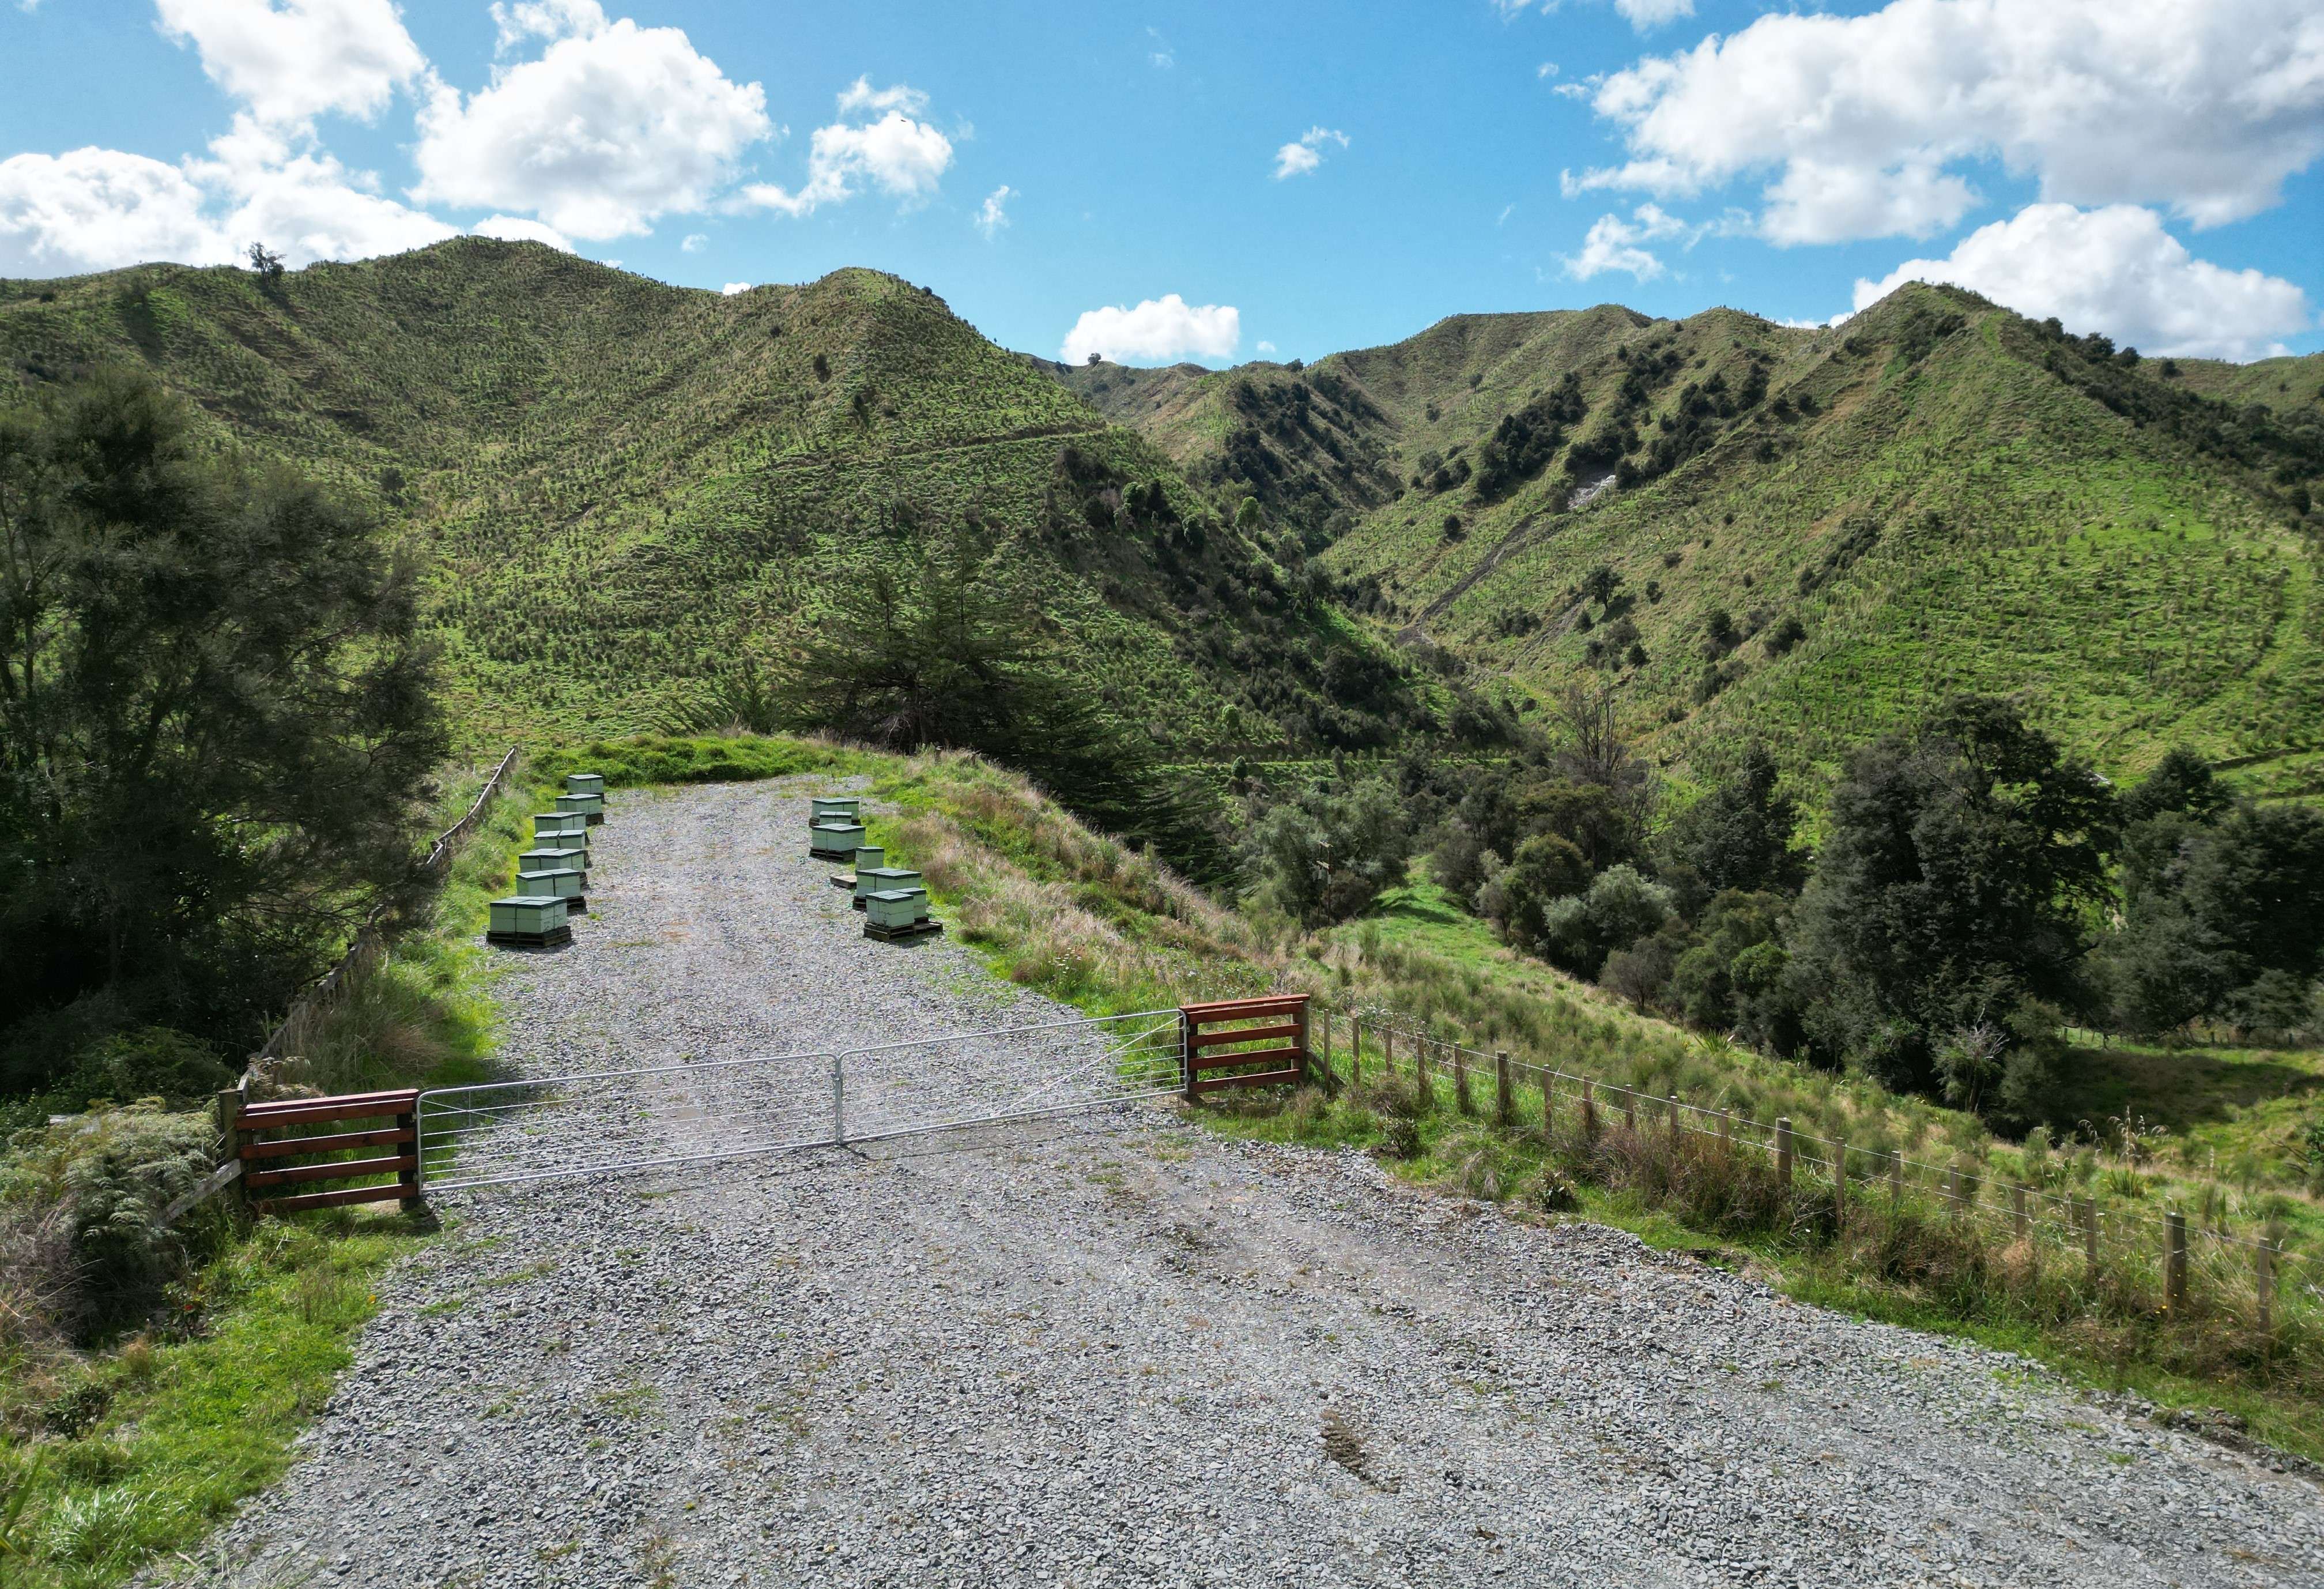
pixel 1118 1349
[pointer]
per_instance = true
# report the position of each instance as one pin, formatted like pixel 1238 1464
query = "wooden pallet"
pixel 555 938
pixel 575 905
pixel 843 880
pixel 924 928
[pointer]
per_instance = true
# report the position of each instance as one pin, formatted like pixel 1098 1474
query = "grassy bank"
pixel 152 1378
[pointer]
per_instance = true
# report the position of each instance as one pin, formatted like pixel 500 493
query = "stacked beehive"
pixel 894 902
pixel 552 878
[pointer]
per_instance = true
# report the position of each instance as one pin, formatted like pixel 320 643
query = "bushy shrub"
pixel 112 1173
pixel 1619 907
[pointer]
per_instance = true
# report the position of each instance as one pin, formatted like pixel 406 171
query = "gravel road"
pixel 1116 1350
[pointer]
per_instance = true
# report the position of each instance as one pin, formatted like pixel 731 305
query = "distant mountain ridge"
pixel 1815 532
pixel 626 490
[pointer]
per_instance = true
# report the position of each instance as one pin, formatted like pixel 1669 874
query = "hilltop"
pixel 1811 533
pixel 624 491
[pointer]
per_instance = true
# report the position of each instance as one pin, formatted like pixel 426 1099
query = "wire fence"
pixel 2167 1258
pixel 370 943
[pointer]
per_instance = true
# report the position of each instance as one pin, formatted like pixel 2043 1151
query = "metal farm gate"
pixel 611 1122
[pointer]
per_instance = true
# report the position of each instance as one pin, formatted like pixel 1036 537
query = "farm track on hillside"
pixel 1118 1350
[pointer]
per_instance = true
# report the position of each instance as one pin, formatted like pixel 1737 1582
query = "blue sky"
pixel 1219 182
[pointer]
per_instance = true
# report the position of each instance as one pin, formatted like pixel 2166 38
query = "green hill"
pixel 1938 496
pixel 624 489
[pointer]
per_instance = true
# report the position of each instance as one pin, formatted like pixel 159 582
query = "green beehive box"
pixel 844 807
pixel 584 783
pixel 558 859
pixel 545 823
pixel 566 885
pixel 866 855
pixel 529 921
pixel 834 840
pixel 590 806
pixel 872 879
pixel 893 908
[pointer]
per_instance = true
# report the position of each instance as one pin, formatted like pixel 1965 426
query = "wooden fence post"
pixel 2175 1261
pixel 2090 1212
pixel 1630 1111
pixel 2017 1212
pixel 1839 1183
pixel 1895 1179
pixel 1324 1051
pixel 1589 1109
pixel 1672 1118
pixel 1783 1149
pixel 1187 1053
pixel 2263 1284
pixel 1355 1052
pixel 1726 1132
pixel 1388 1053
pixel 1420 1081
pixel 1504 1100
pixel 1461 1080
pixel 1952 1191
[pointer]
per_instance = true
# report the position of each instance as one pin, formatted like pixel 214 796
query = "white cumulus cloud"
pixel 516 228
pixel 2115 270
pixel 1861 126
pixel 895 152
pixel 732 288
pixel 610 127
pixel 993 213
pixel 1158 331
pixel 294 60
pixel 1304 154
pixel 91 210
pixel 1641 14
pixel 1614 244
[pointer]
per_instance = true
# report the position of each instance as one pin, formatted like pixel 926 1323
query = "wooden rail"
pixel 265 1157
pixel 1219 1039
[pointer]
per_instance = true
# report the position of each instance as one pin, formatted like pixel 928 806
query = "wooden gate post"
pixel 231 1136
pixel 408 1178
pixel 1504 1102
pixel 2175 1261
pixel 1783 1149
pixel 1187 1052
pixel 1306 1060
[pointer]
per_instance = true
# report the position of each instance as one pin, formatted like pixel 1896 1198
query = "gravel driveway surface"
pixel 1116 1350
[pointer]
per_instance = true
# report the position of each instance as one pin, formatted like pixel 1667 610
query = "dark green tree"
pixel 1740 835
pixel 1951 894
pixel 215 711
pixel 932 650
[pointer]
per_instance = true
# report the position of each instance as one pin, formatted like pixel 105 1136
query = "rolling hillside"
pixel 625 489
pixel 1937 496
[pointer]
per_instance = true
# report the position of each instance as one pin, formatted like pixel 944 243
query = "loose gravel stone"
pixel 1114 1349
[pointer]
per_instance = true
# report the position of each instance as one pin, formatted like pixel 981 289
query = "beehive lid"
pixel 894 895
pixel 890 872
